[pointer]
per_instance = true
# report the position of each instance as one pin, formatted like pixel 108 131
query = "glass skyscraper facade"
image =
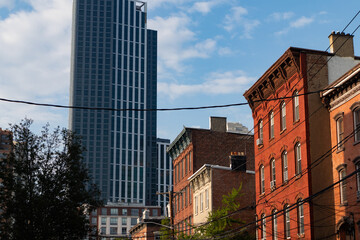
pixel 114 65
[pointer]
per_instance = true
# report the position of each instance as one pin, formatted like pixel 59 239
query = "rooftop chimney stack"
pixel 341 44
pixel 218 124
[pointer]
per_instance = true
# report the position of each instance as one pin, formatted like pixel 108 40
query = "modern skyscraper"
pixel 114 59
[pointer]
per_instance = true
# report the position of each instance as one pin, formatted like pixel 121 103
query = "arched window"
pixel 260 130
pixel 271 125
pixel 263 227
pixel 272 174
pixel 340 132
pixel 300 211
pixel 262 179
pixel 286 221
pixel 285 166
pixel 296 106
pixel 274 224
pixel 342 186
pixel 297 151
pixel 356 112
pixel 283 116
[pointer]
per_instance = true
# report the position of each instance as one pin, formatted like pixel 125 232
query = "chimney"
pixel 341 44
pixel 218 124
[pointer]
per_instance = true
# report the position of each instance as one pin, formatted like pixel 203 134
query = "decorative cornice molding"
pixel 345 97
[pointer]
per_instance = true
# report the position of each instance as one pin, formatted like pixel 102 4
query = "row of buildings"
pixel 299 171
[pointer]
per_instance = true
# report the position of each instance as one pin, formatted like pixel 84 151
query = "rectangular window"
pixel 133 221
pixel 296 106
pixel 287 221
pixel 271 125
pixel 113 230
pixel 94 220
pixel 206 198
pixel 201 202
pixel 103 211
pixel 358 180
pixel 260 130
pixel 357 124
pixel 103 230
pixel 124 221
pixel 285 166
pixel 283 116
pixel 274 220
pixel 273 174
pixel 123 231
pixel 114 211
pixel 134 212
pixel 342 186
pixel 263 227
pixel 113 221
pixel 262 180
pixel 103 221
pixel 196 205
pixel 298 158
pixel 301 226
pixel 124 211
pixel 190 161
pixel 340 133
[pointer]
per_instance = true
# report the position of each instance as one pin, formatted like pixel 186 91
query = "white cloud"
pixel 278 16
pixel 237 19
pixel 224 51
pixel 298 23
pixel 217 83
pixel 204 7
pixel 35 58
pixel 178 43
pixel 301 22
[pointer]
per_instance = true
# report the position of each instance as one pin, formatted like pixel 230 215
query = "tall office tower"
pixel 114 59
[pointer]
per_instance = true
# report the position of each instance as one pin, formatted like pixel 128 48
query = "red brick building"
pixel 147 229
pixel 343 101
pixel 292 140
pixel 191 150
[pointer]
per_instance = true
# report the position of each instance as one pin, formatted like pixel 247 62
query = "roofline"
pixel 348 75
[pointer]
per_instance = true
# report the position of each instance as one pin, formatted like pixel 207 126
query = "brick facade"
pixel 190 151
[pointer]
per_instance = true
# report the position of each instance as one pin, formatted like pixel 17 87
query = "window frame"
pixel 285 166
pixel 356 116
pixel 296 106
pixel 339 132
pixel 283 116
pixel 274 224
pixel 297 151
pixel 273 173
pixel 262 179
pixel 263 226
pixel 260 129
pixel 301 217
pixel 271 125
pixel 287 224
pixel 342 186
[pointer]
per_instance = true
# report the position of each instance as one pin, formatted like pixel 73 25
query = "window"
pixel 103 211
pixel 124 211
pixel 285 166
pixel 155 212
pixel 260 130
pixel 358 179
pixel 207 198
pixel 272 174
pixel 114 211
pixel 271 125
pixel 113 230
pixel 357 124
pixel 103 230
pixel 297 151
pixel 113 221
pixel 262 179
pixel 196 205
pixel 263 227
pixel 133 221
pixel 256 228
pixel 340 133
pixel 286 221
pixel 201 202
pixel 342 186
pixel 94 220
pixel 103 221
pixel 296 106
pixel 301 229
pixel 123 231
pixel 283 116
pixel 123 221
pixel 274 222
pixel 134 212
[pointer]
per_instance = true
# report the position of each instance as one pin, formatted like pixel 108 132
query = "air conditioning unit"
pixel 259 141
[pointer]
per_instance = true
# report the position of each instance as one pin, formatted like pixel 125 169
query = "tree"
pixel 222 220
pixel 45 192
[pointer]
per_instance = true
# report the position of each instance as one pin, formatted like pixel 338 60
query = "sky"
pixel 209 53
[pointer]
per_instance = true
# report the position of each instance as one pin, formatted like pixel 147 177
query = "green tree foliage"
pixel 44 193
pixel 222 220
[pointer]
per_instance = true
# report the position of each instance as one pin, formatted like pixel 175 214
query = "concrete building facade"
pixel 343 101
pixel 292 140
pixel 190 151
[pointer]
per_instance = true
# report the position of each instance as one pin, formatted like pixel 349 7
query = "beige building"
pixel 211 182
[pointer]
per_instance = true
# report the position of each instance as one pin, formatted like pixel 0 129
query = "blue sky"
pixel 209 53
